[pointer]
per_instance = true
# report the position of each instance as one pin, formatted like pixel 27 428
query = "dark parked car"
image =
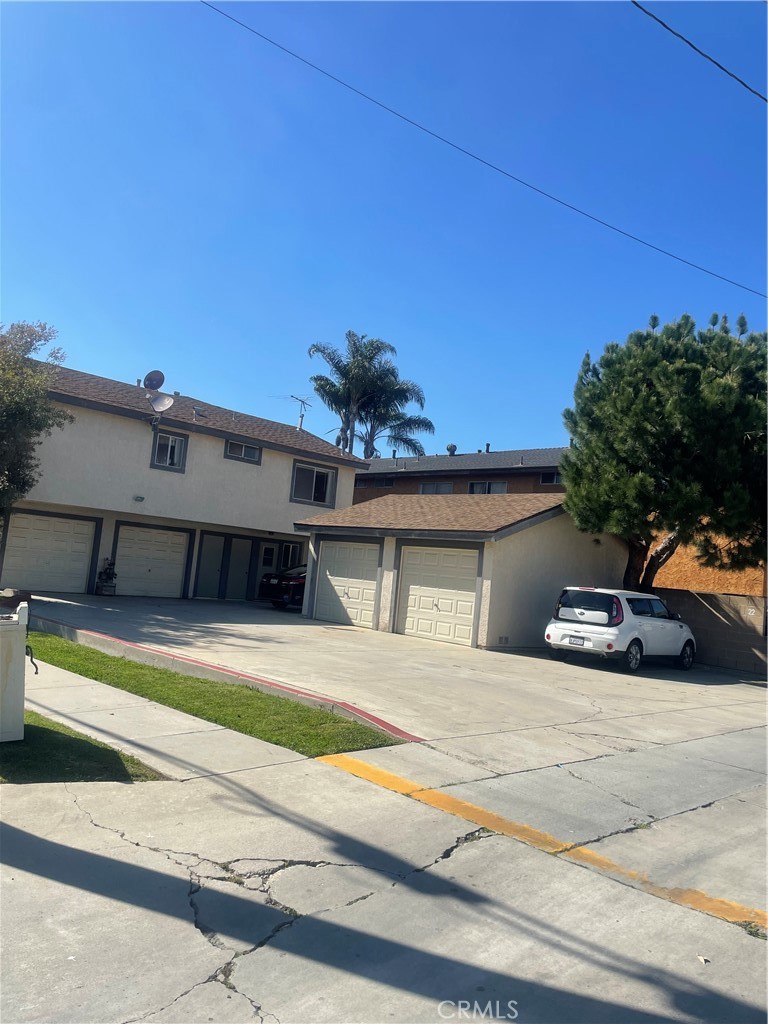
pixel 284 589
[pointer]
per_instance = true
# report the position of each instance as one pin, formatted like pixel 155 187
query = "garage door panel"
pixel 437 594
pixel 347 583
pixel 48 553
pixel 150 562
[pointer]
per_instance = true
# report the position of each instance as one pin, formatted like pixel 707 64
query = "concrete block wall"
pixel 730 629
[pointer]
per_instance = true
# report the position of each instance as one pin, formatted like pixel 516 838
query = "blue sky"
pixel 178 194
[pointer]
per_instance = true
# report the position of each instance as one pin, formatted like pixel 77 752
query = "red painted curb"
pixel 379 723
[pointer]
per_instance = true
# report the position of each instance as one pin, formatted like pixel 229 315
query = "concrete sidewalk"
pixel 590 797
pixel 179 746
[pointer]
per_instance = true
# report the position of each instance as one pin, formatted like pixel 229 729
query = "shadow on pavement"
pixel 400 966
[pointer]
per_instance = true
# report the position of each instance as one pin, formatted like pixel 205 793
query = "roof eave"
pixel 383 531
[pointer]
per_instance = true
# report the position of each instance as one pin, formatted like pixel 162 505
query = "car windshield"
pixel 298 570
pixel 586 600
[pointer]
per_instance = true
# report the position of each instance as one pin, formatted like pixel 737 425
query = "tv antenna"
pixel 305 404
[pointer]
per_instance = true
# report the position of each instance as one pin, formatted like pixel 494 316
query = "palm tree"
pixel 384 415
pixel 355 377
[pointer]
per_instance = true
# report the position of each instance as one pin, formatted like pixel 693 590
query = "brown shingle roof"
pixel 114 395
pixel 482 514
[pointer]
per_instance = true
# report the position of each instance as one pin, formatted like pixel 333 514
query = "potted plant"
pixel 105 581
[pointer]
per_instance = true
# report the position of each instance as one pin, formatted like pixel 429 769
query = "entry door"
pixel 209 572
pixel 267 561
pixel 238 569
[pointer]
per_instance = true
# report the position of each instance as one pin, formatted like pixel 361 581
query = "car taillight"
pixel 547 637
pixel 617 613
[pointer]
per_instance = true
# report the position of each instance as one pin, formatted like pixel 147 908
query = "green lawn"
pixel 307 730
pixel 51 752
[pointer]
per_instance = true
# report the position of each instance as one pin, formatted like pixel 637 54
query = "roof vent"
pixel 177 393
pixel 394 453
pixel 487 447
pixel 451 449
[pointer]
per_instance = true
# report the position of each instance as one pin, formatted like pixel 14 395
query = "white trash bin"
pixel 13 644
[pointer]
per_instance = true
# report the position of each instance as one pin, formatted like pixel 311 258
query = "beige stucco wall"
pixel 102 461
pixel 531 567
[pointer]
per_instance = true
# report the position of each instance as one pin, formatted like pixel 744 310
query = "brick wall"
pixel 517 483
pixel 730 629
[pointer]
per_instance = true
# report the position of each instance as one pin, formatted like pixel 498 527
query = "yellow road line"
pixel 444 802
pixel 726 910
pixel 494 822
pixel 372 774
pixel 694 898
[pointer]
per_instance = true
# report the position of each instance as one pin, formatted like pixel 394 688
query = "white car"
pixel 618 624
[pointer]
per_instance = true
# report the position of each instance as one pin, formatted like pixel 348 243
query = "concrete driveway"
pixel 388 885
pixel 443 693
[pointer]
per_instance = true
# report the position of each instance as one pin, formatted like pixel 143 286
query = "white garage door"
pixel 437 594
pixel 48 553
pixel 150 563
pixel 347 580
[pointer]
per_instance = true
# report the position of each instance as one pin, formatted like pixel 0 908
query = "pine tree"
pixel 669 446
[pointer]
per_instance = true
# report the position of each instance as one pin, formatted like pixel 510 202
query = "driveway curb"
pixel 145 655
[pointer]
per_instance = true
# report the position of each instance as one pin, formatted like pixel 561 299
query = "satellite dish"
pixel 154 380
pixel 160 402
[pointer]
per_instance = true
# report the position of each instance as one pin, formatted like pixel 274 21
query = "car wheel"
pixel 556 655
pixel 686 656
pixel 633 656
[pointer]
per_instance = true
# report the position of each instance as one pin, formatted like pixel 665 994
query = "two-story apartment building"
pixel 517 471
pixel 196 501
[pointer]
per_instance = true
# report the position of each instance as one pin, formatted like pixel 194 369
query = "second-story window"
pixel 241 452
pixel 436 487
pixel 313 484
pixel 551 478
pixel 488 487
pixel 169 451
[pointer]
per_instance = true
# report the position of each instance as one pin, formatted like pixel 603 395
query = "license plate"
pixel 577 641
pixel 273 580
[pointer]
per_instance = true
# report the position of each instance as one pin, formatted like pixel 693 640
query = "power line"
pixel 479 159
pixel 700 52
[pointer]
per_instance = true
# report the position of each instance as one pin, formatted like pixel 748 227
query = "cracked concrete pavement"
pixel 297 893
pixel 282 889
